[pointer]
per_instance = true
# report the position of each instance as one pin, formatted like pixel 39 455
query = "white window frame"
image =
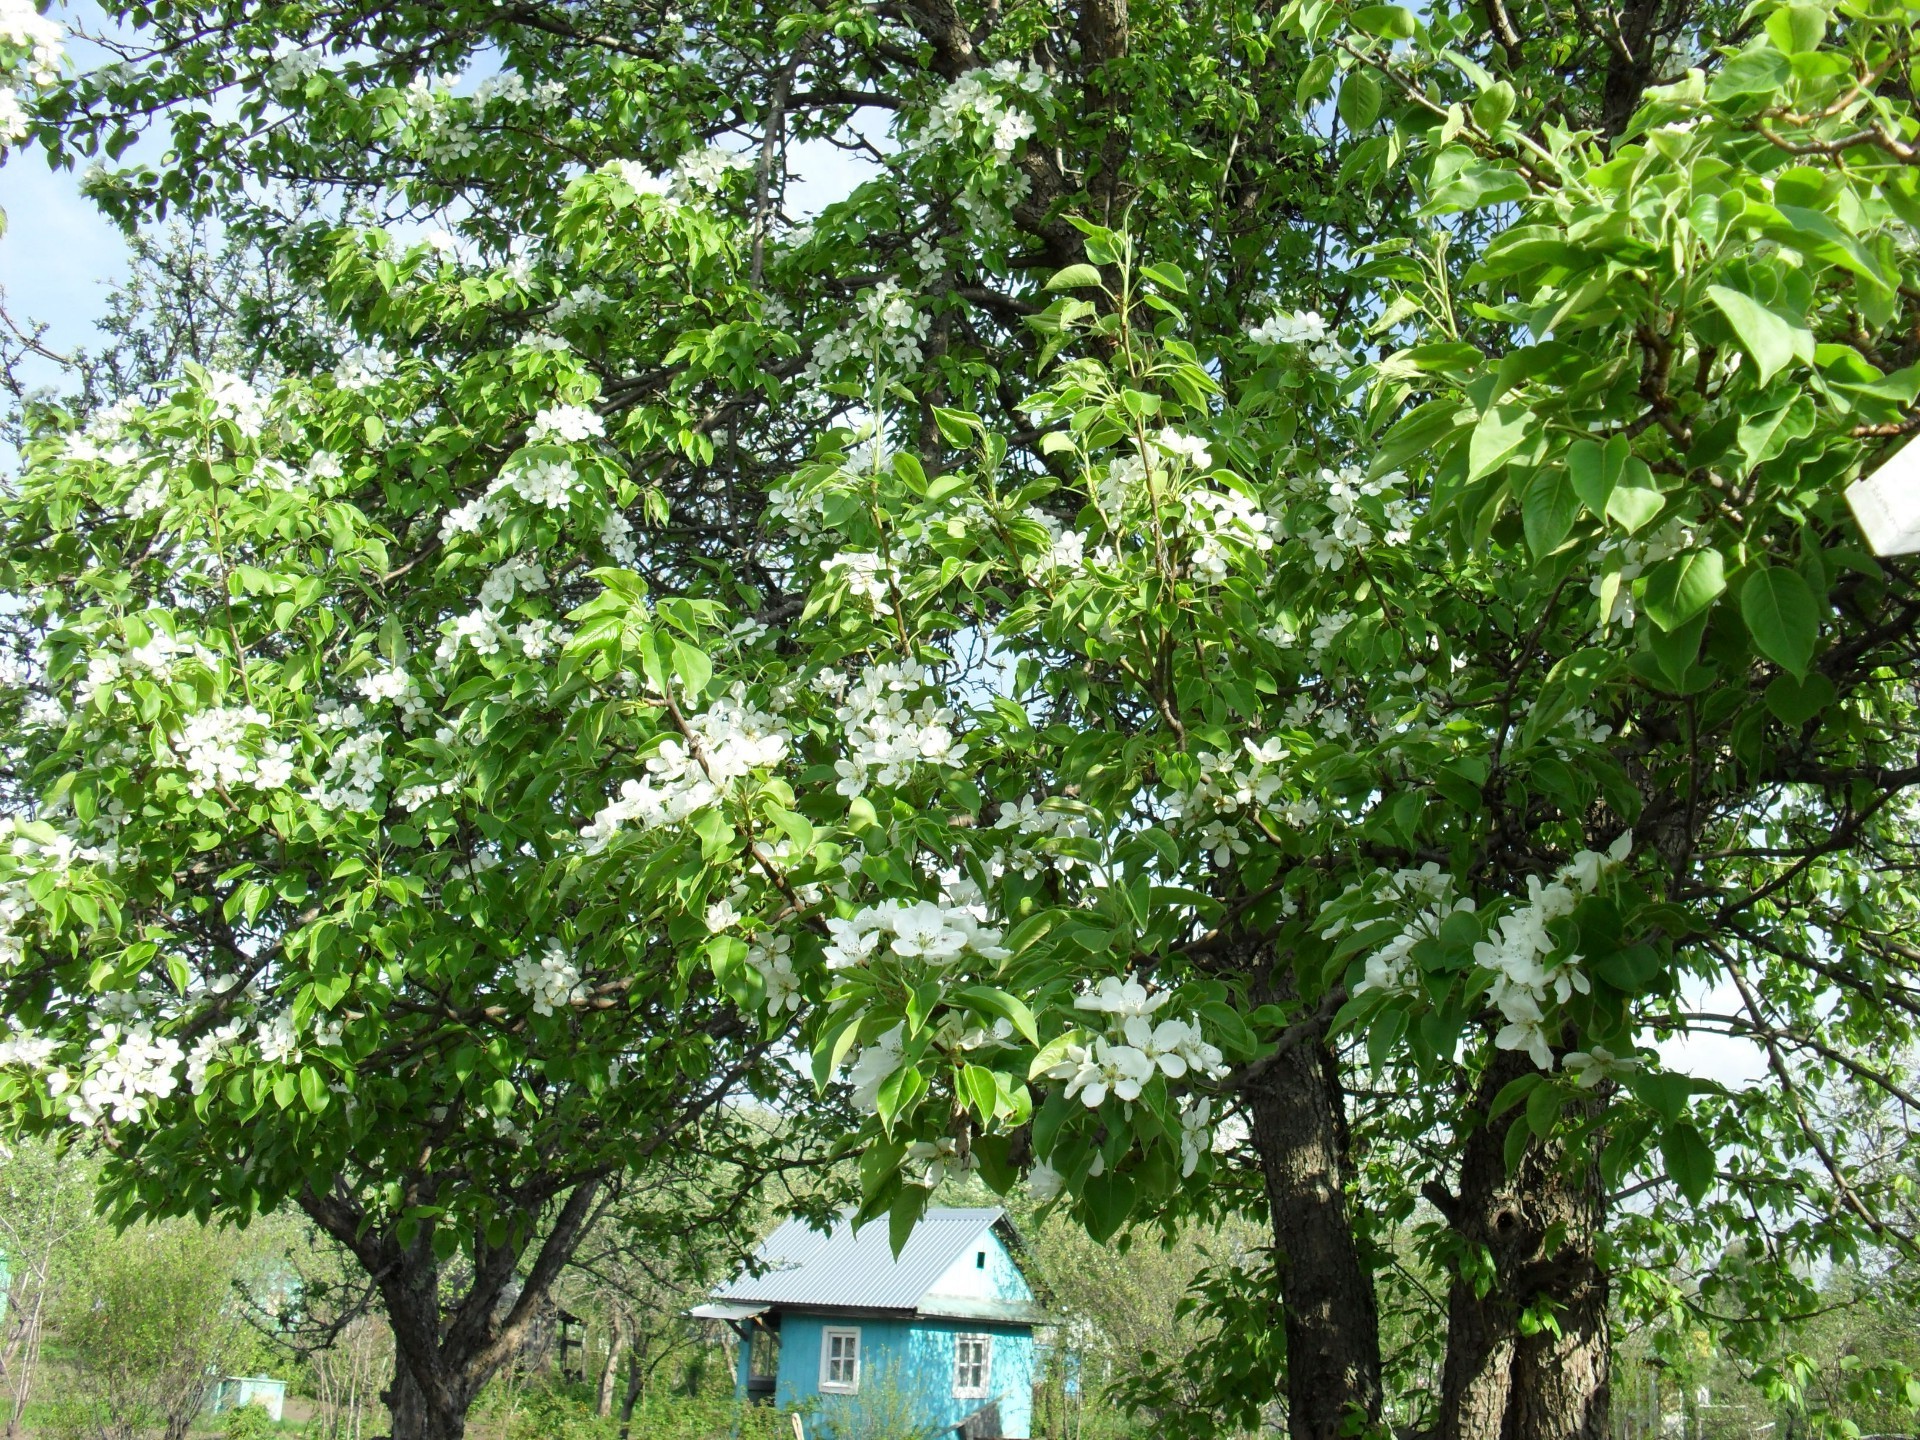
pixel 827 1382
pixel 985 1387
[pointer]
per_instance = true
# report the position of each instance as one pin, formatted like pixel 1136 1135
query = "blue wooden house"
pixel 943 1331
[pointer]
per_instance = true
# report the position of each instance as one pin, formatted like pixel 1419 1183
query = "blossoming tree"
pixel 1269 601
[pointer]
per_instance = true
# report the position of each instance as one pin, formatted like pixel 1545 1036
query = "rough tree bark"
pixel 1331 1314
pixel 1526 1241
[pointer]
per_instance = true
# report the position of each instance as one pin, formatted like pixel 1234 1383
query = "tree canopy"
pixel 1251 621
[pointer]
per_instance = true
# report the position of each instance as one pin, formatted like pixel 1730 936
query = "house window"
pixel 763 1353
pixel 840 1361
pixel 979 1259
pixel 972 1361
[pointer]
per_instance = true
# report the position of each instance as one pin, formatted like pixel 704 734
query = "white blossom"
pixel 551 978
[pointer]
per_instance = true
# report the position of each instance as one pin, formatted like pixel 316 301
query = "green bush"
pixel 247 1422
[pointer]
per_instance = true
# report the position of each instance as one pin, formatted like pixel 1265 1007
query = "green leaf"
pixel 1548 510
pixel 1798 701
pixel 1513 1092
pixel 1594 469
pixel 1797 29
pixel 693 667
pixel 1075 277
pixel 1493 106
pixel 1681 587
pixel 1389 22
pixel 1002 1005
pixel 1768 338
pixel 1782 616
pixel 1359 102
pixel 1314 80
pixel 1689 1160
pixel 1632 506
pixel 1502 430
pixel 981 1089
pixel 1167 277
pixel 313 1089
pixel 958 427
pixel 1543 1110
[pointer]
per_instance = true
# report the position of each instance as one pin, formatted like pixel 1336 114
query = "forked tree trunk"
pixel 445 1354
pixel 1526 1242
pixel 1331 1315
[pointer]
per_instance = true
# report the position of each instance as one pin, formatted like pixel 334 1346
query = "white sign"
pixel 1887 503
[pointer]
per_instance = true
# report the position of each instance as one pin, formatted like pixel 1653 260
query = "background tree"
pixel 148 1320
pixel 46 1210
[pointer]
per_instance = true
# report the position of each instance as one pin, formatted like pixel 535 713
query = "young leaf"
pixel 1074 277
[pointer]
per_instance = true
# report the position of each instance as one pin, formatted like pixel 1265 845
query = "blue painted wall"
pixel 906 1369
pixel 907 1364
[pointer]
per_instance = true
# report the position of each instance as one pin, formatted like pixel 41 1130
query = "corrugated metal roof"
pixel 857 1270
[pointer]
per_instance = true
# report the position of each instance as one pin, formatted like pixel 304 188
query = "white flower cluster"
pixel 581 300
pixel 1123 1062
pixel 482 627
pixel 154 660
pixel 701 172
pixel 1306 329
pixel 354 774
pixel 126 1070
pixel 972 105
pixel 616 534
pixel 1233 787
pixel 926 931
pixel 772 958
pixel 1067 551
pixel 291 71
pixel 888 737
pixel 277 1040
pixel 1036 823
pixel 1125 484
pixel 1222 521
pixel 1351 524
pixel 363 367
pixel 391 684
pixel 1391 969
pixel 869 578
pixel 568 424
pixel 439 134
pixel 552 979
pixel 37 850
pixel 936 1161
pixel 731 739
pixel 642 181
pixel 887 331
pixel 38 39
pixel 236 401
pixel 218 752
pixel 873 1065
pixel 510 89
pixel 1528 977
pixel 549 483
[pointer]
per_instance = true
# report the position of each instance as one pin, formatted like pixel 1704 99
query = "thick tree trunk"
pixel 444 1355
pixel 1331 1314
pixel 414 1416
pixel 1526 1243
